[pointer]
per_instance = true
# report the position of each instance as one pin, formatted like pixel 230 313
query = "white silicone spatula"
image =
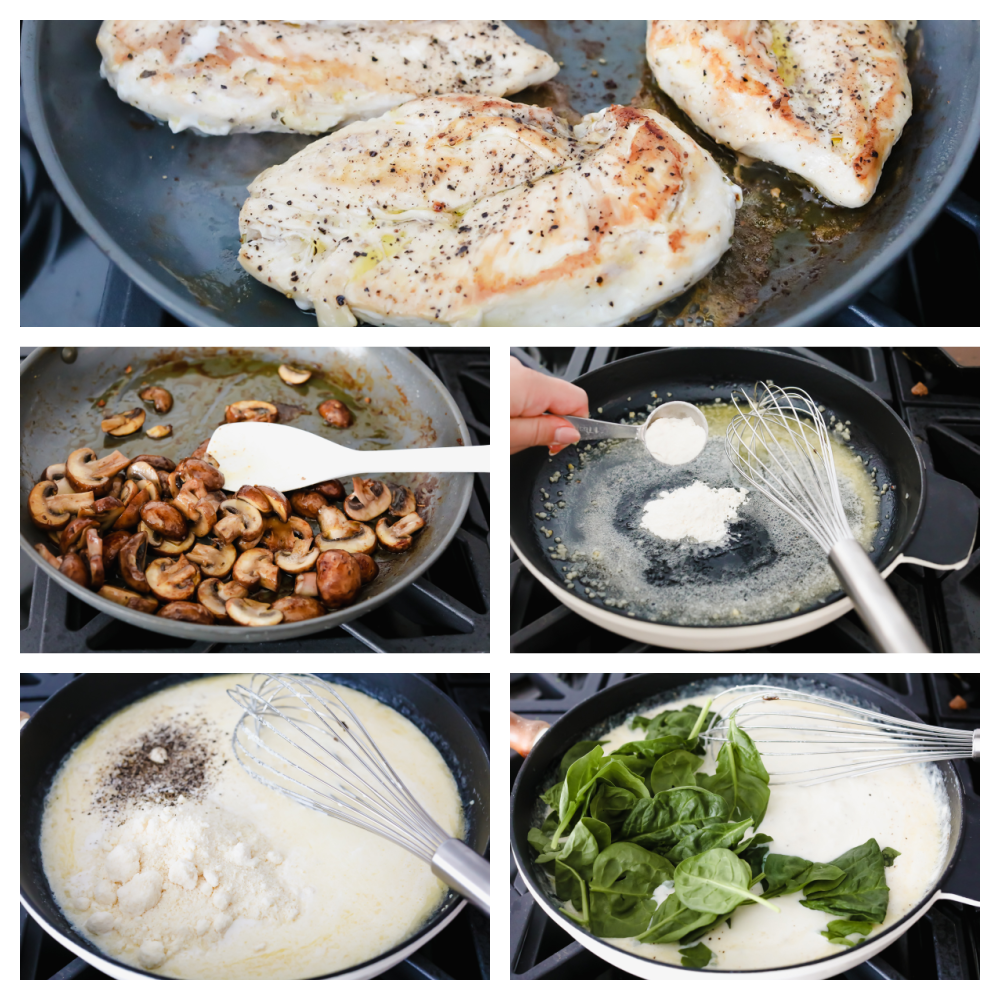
pixel 286 458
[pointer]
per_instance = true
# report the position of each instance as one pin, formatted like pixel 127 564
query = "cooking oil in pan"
pixel 767 568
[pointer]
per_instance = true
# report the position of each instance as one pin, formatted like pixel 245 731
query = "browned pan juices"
pixel 786 233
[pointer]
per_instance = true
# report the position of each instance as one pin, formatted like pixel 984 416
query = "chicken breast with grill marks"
pixel 466 210
pixel 824 99
pixel 220 77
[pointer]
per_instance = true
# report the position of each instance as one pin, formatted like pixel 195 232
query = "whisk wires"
pixel 297 736
pixel 778 442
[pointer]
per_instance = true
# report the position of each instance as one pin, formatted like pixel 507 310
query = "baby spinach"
pixel 837 931
pixel 715 882
pixel 580 849
pixel 575 752
pixel 571 886
pixel 625 877
pixel 617 915
pixel 740 777
pixel 673 921
pixel 662 821
pixel 786 873
pixel 675 768
pixel 687 722
pixel 697 957
pixel 753 852
pixel 709 836
pixel 889 855
pixel 611 804
pixel 862 894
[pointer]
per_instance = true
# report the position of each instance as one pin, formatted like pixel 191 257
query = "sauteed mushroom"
pixel 338 578
pixel 398 536
pixel 340 532
pixel 123 424
pixel 86 471
pixel 297 609
pixel 332 489
pixel 293 376
pixel 213 595
pixel 335 413
pixel 212 561
pixel 266 500
pixel 113 544
pixel 186 611
pixel 403 501
pixel 301 557
pixel 57 474
pixel 135 497
pixel 369 499
pixel 256 566
pixel 283 535
pixel 129 599
pixel 251 409
pixel 305 585
pixel 307 503
pixel 43 550
pixel 195 468
pixel 132 563
pixel 160 431
pixel 147 477
pixel 75 568
pixel 158 462
pixel 368 567
pixel 50 510
pixel 107 510
pixel 247 612
pixel 199 452
pixel 173 580
pixel 160 398
pixel 71 537
pixel 95 557
pixel 165 519
pixel 241 520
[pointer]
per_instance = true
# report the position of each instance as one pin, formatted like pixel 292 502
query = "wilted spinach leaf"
pixel 709 836
pixel 786 873
pixel 740 777
pixel 660 822
pixel 837 930
pixel 715 882
pixel 625 877
pixel 575 752
pixel 580 849
pixel 862 894
pixel 754 851
pixel 696 957
pixel 889 855
pixel 611 804
pixel 674 769
pixel 673 921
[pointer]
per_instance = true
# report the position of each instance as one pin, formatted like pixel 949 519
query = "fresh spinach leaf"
pixel 661 822
pixel 837 931
pixel 575 752
pixel 552 795
pixel 611 804
pixel 889 855
pixel 715 882
pixel 650 751
pixel 674 921
pixel 571 886
pixel 687 723
pixel 696 957
pixel 629 870
pixel 862 894
pixel 538 840
pixel 616 915
pixel 580 782
pixel 709 836
pixel 787 873
pixel 675 768
pixel 740 777
pixel 753 852
pixel 580 849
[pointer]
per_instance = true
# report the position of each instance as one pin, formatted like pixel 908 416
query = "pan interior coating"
pixel 768 567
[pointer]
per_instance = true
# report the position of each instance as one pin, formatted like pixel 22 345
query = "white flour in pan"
pixel 696 513
pixel 169 857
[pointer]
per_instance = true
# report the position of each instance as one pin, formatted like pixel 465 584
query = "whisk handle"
pixel 467 872
pixel 885 619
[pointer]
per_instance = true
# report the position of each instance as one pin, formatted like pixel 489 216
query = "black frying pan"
pixel 77 709
pixel 164 207
pixel 933 519
pixel 612 705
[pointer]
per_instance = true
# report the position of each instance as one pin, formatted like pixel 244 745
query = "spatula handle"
pixel 473 459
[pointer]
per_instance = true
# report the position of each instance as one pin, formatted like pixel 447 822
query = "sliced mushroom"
pixel 173 579
pixel 213 561
pixel 228 529
pixel 57 474
pixel 160 398
pixel 369 499
pixel 146 476
pixel 338 578
pixel 250 526
pixel 368 567
pixel 298 609
pixel 50 510
pixel 43 550
pixel 301 557
pixel 113 544
pixel 159 462
pixel 86 471
pixel 307 503
pixel 71 537
pixel 213 595
pixel 168 546
pixel 129 599
pixel 138 496
pixel 398 536
pixel 332 489
pixel 403 501
pixel 254 496
pixel 251 409
pixel 196 468
pixel 340 532
pixel 122 424
pixel 305 585
pixel 256 567
pixel 335 413
pixel 132 562
pixel 200 451
pixel 280 504
pixel 117 484
pixel 246 612
pixel 293 376
pixel 160 431
pixel 107 510
pixel 75 568
pixel 95 556
pixel 284 534
pixel 165 519
pixel 186 611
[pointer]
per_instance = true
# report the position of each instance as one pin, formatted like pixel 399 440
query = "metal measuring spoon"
pixel 599 430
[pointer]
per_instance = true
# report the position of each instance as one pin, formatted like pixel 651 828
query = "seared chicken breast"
pixel 220 77
pixel 824 99
pixel 463 210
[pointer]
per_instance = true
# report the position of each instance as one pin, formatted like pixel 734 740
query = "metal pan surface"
pixel 164 207
pixel 610 707
pixel 931 520
pixel 409 408
pixel 77 709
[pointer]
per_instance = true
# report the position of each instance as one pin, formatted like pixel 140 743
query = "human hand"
pixel 532 394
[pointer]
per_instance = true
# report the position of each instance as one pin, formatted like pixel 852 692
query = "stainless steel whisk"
pixel 862 741
pixel 778 443
pixel 297 736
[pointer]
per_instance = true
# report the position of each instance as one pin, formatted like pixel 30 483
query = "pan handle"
pixel 947 531
pixel 525 733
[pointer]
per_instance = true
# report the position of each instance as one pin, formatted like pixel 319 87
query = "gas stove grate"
pixel 460 951
pixel 943 944
pixel 445 611
pixel 944 606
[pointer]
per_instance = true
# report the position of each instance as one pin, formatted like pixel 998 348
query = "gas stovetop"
pixel 460 951
pixel 945 424
pixel 446 610
pixel 943 944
